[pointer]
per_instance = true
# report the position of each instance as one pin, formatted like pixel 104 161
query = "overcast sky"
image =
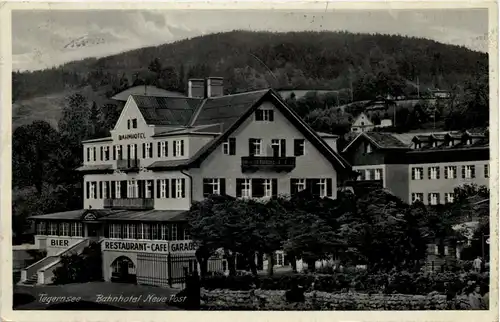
pixel 44 39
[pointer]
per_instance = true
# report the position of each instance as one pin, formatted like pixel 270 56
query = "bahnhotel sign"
pixel 134 136
pixel 159 247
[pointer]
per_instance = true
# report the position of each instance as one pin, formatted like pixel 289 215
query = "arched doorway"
pixel 123 270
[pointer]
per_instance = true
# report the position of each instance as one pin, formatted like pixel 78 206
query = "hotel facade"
pixel 166 152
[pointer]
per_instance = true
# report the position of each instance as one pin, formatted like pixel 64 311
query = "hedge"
pixel 400 282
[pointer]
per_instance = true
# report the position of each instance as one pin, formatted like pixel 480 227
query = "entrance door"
pixel 93 230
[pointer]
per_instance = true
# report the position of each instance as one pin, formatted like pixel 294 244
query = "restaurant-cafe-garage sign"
pixel 184 246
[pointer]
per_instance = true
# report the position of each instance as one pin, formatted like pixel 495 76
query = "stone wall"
pixel 275 300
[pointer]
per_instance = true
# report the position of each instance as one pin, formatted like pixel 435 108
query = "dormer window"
pixel 368 148
pixel 134 123
pixel 264 115
pixel 450 143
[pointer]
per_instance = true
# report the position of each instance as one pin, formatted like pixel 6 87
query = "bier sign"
pixel 58 242
pixel 183 246
pixel 136 247
pixel 133 136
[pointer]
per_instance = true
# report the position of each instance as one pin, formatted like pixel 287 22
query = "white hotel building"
pixel 166 152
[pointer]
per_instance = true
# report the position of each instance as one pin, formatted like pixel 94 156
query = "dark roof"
pixel 167 110
pixel 95 167
pixel 381 140
pixel 274 97
pixel 149 215
pixel 107 139
pixel 68 215
pixel 226 110
pixel 148 90
pixel 169 164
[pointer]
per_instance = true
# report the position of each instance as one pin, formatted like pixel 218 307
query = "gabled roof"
pixel 381 140
pixel 167 110
pixel 233 117
pixel 147 90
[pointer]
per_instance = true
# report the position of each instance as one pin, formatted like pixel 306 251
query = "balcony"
pixel 277 164
pixel 128 165
pixel 130 203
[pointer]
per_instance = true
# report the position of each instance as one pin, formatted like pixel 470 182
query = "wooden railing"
pixel 128 164
pixel 129 203
pixel 274 163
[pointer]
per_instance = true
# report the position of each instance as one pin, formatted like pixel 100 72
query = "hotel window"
pixel 64 229
pixel 146 231
pixel 129 231
pixel 486 170
pixel 52 228
pixel 297 185
pixel 449 197
pixel 255 147
pixel 164 232
pixel 298 147
pixel 147 150
pixel 187 236
pixel 323 184
pixel 417 173
pixel 268 188
pixel 417 196
pixel 134 123
pixel 132 151
pixel 105 190
pixel 433 173
pixel 279 147
pixel 114 231
pixel 88 154
pixel 76 229
pixel 162 188
pixel 140 232
pixel 155 231
pixel 229 147
pixel 214 187
pixel 93 190
pixel 132 188
pixel 468 171
pixel 244 188
pixel 264 115
pixel 433 198
pixel 368 148
pixel 378 174
pixel 119 152
pixel 149 189
pixel 174 231
pixel 178 188
pixel 450 172
pixel 178 148
pixel 162 149
pixel 41 228
pixel 94 153
pixel 118 190
pixel 369 174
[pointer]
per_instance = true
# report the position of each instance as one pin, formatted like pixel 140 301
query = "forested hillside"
pixel 371 64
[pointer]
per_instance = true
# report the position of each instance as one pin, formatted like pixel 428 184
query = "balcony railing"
pixel 128 164
pixel 254 163
pixel 130 203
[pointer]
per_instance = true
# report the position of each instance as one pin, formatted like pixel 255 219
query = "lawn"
pixel 144 297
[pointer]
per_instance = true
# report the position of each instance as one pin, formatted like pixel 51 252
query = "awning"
pixel 65 215
pixel 170 164
pixel 149 215
pixel 95 167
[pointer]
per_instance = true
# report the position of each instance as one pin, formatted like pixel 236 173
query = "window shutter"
pixel 329 187
pixel 174 190
pixel 101 152
pixel 222 183
pixel 166 148
pixel 128 151
pixel 174 148
pixel 182 147
pixel 232 146
pixel 473 171
pixel 293 186
pixel 144 150
pixel 463 172
pixel 88 154
pixel 239 187
pixel 283 147
pixel 95 153
pixel 140 186
pixel 100 189
pixel 152 183
pixel 112 189
pixel 87 184
pixel 183 189
pixel 274 183
pixel 158 188
pixel 259 115
pixel 429 172
pixel 257 188
pixel 429 198
pixel 310 185
pixel 206 188
pixel 107 190
pixel 150 149
pixel 413 173
pixel 158 147
pixel 438 198
pixel 123 189
pixel 438 172
pixel 250 147
pixel 167 188
pixel 271 115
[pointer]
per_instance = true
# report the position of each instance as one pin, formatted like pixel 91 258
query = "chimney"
pixel 196 88
pixel 215 86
